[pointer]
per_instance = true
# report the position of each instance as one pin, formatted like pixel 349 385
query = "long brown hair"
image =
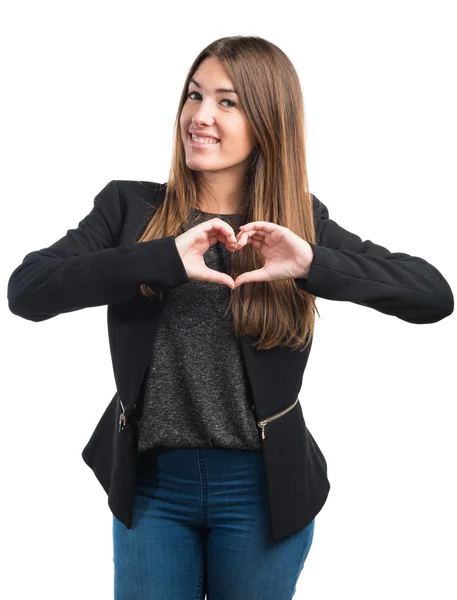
pixel 278 312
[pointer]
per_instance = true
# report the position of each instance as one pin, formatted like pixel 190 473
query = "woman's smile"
pixel 209 144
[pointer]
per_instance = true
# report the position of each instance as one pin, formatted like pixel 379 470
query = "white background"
pixel 90 91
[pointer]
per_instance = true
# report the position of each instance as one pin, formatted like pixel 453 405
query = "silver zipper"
pixel 123 417
pixel 262 424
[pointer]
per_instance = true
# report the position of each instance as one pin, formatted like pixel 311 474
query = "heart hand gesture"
pixel 287 255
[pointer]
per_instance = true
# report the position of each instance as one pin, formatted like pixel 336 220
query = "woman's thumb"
pixel 218 277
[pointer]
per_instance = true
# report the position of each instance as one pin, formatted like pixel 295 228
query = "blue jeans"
pixel 200 530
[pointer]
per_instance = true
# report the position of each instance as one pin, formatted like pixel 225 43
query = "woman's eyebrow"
pixel 222 90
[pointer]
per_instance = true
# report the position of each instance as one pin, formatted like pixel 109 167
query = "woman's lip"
pixel 197 145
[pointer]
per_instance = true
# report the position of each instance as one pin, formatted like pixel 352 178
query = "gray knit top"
pixel 196 392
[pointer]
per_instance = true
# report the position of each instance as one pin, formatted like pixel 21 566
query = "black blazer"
pixel 99 263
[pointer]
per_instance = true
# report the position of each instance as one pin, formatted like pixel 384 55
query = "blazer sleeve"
pixel 348 269
pixel 87 268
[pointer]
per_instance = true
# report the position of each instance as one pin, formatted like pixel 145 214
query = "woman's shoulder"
pixel 131 186
pixel 149 192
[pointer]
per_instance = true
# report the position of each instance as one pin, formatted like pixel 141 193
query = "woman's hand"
pixel 287 255
pixel 193 243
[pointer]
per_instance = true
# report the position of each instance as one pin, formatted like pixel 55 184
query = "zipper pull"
pixel 262 425
pixel 122 421
pixel 123 418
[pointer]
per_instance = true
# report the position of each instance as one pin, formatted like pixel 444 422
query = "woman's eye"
pixel 225 100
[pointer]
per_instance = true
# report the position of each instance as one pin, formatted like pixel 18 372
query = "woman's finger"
pixel 223 236
pixel 245 236
pixel 220 226
pixel 259 226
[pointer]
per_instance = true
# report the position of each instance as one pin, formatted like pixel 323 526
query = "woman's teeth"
pixel 204 140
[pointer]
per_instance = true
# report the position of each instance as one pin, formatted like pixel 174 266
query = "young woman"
pixel 210 279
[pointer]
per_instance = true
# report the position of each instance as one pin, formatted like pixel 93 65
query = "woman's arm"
pixel 86 267
pixel 346 268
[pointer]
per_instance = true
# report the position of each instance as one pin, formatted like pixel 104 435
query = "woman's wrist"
pixel 309 256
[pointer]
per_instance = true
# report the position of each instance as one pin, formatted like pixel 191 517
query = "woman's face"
pixel 218 114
